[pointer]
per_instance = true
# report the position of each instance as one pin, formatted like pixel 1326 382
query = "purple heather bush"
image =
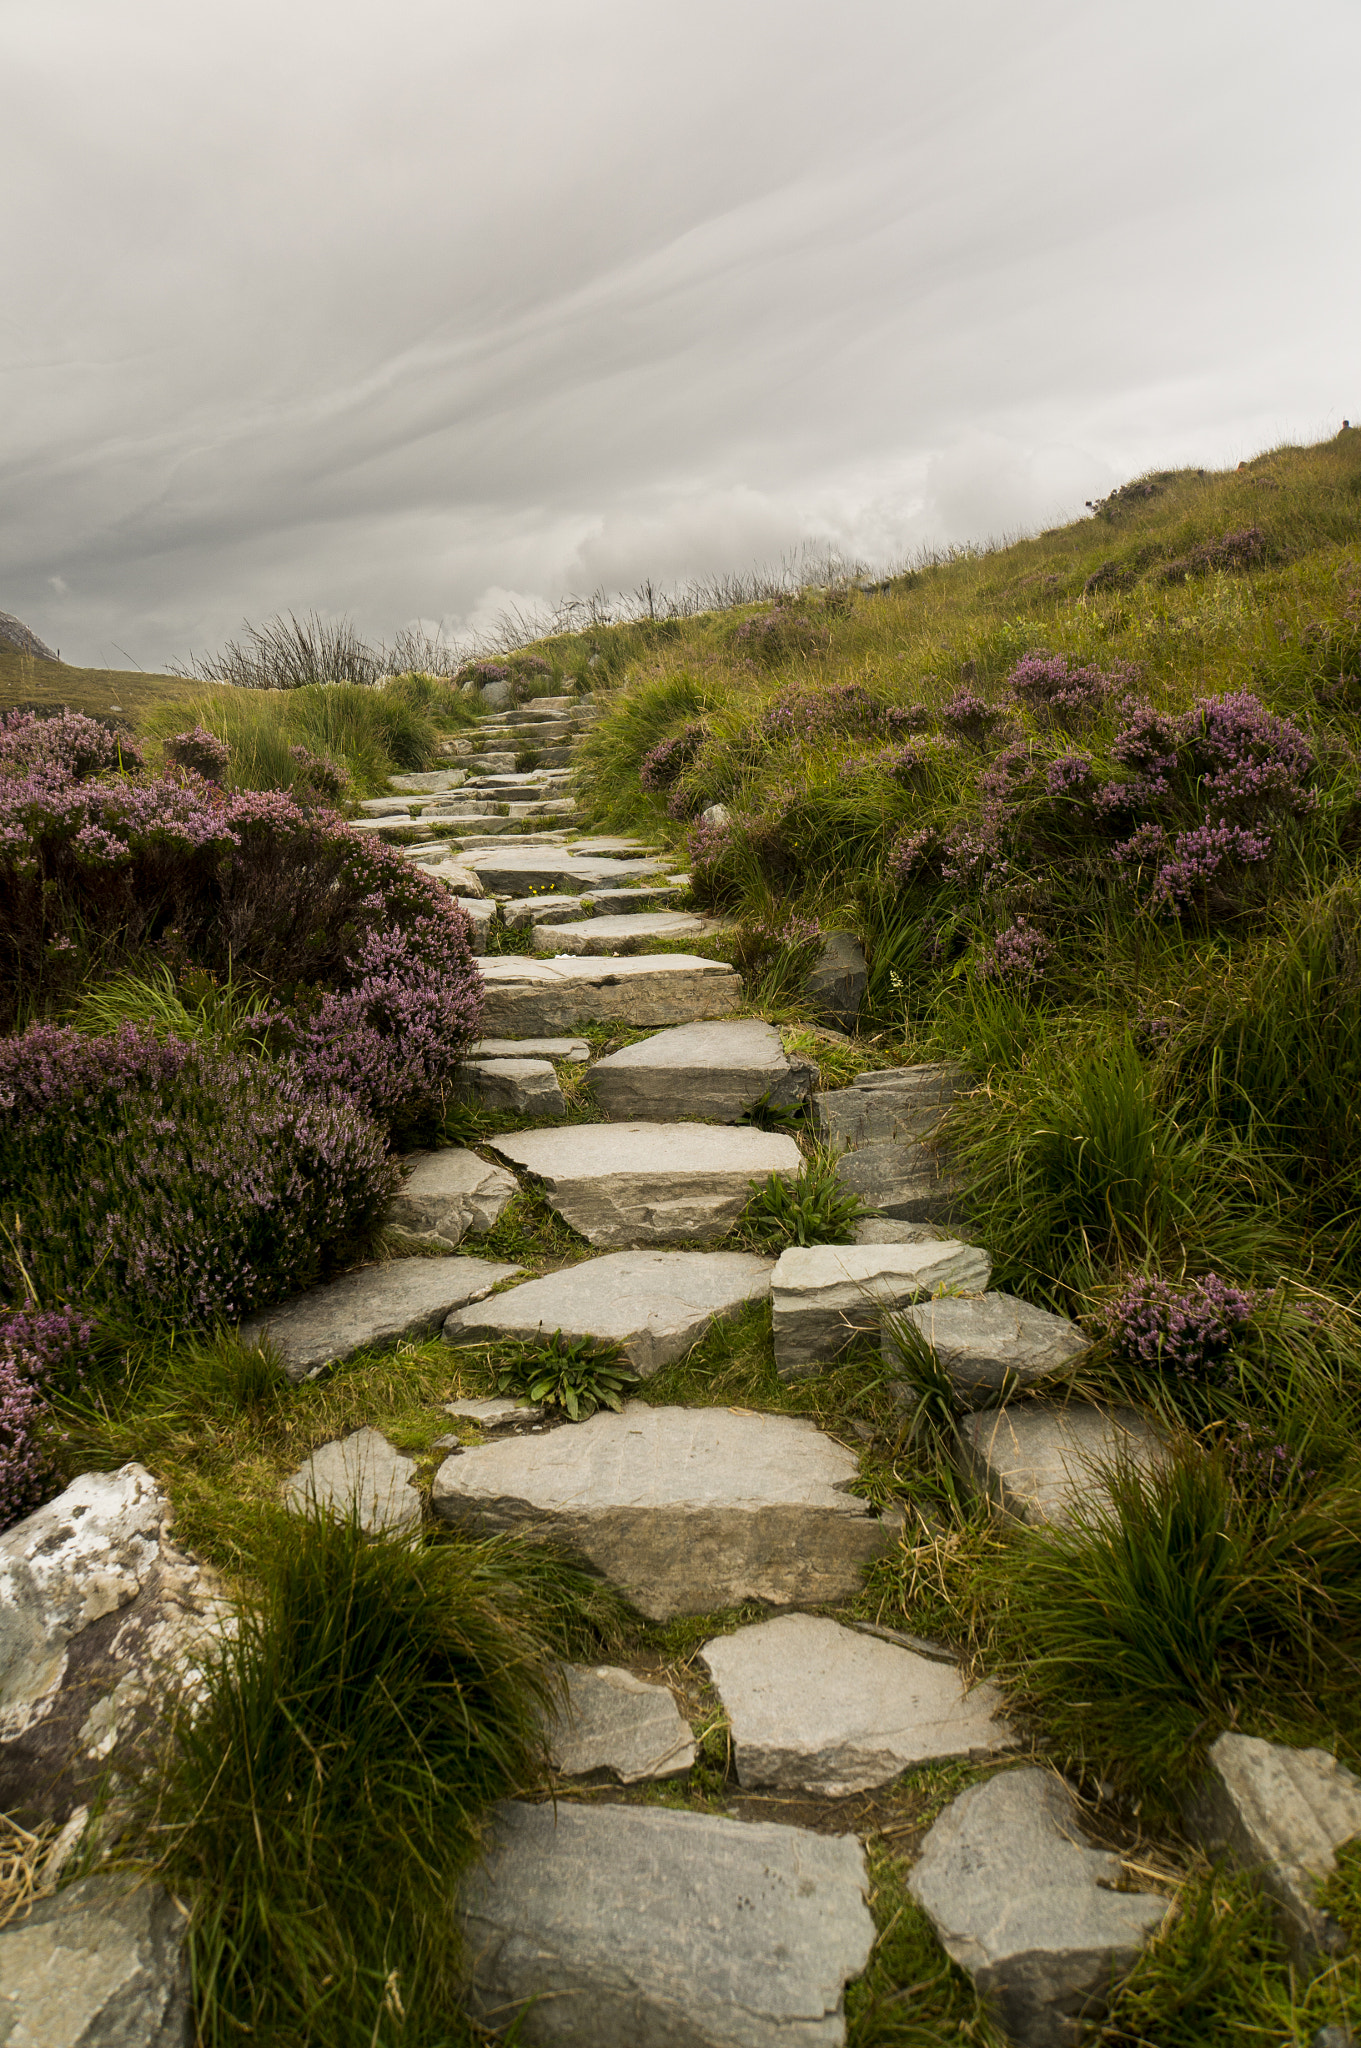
pixel 1209 861
pixel 971 717
pixel 36 1348
pixel 200 753
pixel 1252 763
pixel 662 765
pixel 66 744
pixel 1017 956
pixel 1187 1329
pixel 1061 692
pixel 782 631
pixel 318 779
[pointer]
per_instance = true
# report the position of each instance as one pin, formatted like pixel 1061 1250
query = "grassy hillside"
pixel 97 691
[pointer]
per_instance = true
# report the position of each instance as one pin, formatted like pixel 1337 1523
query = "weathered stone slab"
pixel 101 1965
pixel 481 916
pixel 824 1296
pixel 449 1195
pixel 638 1927
pixel 359 1475
pixel 1282 1814
pixel 459 880
pixel 531 998
pixel 684 1509
pixel 821 1708
pixel 1039 1462
pixel 377 1305
pixel 701 1070
pixel 428 781
pixel 619 902
pixel 527 1087
pixel 653 1305
pixel 836 984
pixel 1020 1902
pixel 883 1125
pixel 983 1341
pixel 574 1049
pixel 546 910
pixel 891 1230
pixel 634 932
pixel 612 1721
pixel 518 871
pixel 102 1622
pixel 495 1411
pixel 645 1183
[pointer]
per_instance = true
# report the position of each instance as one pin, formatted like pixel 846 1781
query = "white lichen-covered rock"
pixel 102 1624
pixel 449 1195
pixel 102 1965
pixel 824 1296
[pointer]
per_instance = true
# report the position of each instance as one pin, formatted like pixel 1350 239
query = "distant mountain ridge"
pixel 16 634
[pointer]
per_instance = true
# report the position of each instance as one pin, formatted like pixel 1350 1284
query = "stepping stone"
pixel 530 998
pixel 984 1342
pixel 701 1070
pixel 1039 1462
pixel 837 982
pixel 575 1049
pixel 615 1722
pixel 481 916
pixel 358 1475
pixel 512 871
pixel 630 934
pixel 496 1411
pixel 1282 1814
pixel 527 1087
pixel 376 1305
pixel 619 902
pixel 1020 1902
pixel 460 881
pixel 449 1195
pixel 882 1123
pixel 638 1927
pixel 643 1183
pixel 104 1964
pixel 891 1230
pixel 824 1296
pixel 817 1707
pixel 684 1509
pixel 547 910
pixel 387 807
pixel 653 1305
pixel 428 781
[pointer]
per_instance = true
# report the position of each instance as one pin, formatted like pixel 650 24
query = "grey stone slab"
pixel 527 1087
pixel 449 1195
pixel 612 1721
pixel 618 902
pixel 1282 1814
pixel 1028 1909
pixel 574 1049
pixel 638 1927
pixel 837 982
pixel 428 781
pixel 649 1183
pixel 891 1230
pixel 546 909
pixel 884 1125
pixel 635 932
pixel 495 1411
pixel 1039 1462
pixel 481 915
pixel 715 1070
pixel 103 1964
pixel 653 1305
pixel 824 1296
pixel 526 998
pixel 377 1305
pixel 517 871
pixel 359 1475
pixel 817 1707
pixel 984 1342
pixel 459 880
pixel 683 1509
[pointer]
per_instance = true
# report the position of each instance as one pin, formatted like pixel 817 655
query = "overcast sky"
pixel 411 308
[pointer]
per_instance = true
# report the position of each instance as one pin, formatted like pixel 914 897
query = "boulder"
pixel 524 1087
pixel 377 1305
pixel 1039 1462
pixel 612 1721
pixel 360 1475
pixel 653 1305
pixel 449 1195
pixel 649 1183
pixel 824 1296
pixel 101 1965
pixel 574 1049
pixel 1020 1902
pixel 884 1126
pixel 715 1071
pixel 990 1340
pixel 638 1927
pixel 837 981
pixel 683 1509
pixel 102 1624
pixel 526 998
pixel 817 1707
pixel 632 932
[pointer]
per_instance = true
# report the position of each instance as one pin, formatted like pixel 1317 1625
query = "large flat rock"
pixel 101 1965
pixel 449 1195
pixel 377 1305
pixel 525 1087
pixel 1020 1902
pixel 883 1125
pixel 820 1708
pixel 649 1183
pixel 992 1340
pixel 1040 1461
pixel 824 1296
pixel 1282 1814
pixel 612 1721
pixel 359 1475
pixel 629 932
pixel 684 1509
pixel 518 871
pixel 653 1305
pixel 636 1927
pixel 524 998
pixel 715 1071
pixel 574 1049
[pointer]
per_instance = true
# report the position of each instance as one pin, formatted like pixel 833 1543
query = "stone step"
pixel 449 1195
pixel 825 1296
pixel 650 1183
pixel 715 1071
pixel 546 910
pixel 360 1475
pixel 428 781
pixel 613 1721
pixel 635 932
pixel 376 1305
pixel 619 902
pixel 544 756
pixel 530 998
pixel 524 1087
pixel 574 1049
pixel 638 1927
pixel 882 1125
pixel 1039 1462
pixel 653 1305
pixel 481 915
pixel 683 1509
pixel 990 1341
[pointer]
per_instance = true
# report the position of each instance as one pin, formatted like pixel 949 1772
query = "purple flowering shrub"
pixel 801 714
pixel 1060 692
pixel 1187 1330
pixel 783 631
pixel 188 1183
pixel 200 753
pixel 971 717
pixel 318 779
pixel 1016 956
pixel 662 765
pixel 36 1348
pixel 66 743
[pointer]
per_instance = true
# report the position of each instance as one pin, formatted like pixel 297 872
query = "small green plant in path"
pixel 572 1373
pixel 813 1208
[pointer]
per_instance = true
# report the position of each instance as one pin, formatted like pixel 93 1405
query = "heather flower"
pixel 317 778
pixel 1017 955
pixel 199 752
pixel 1205 856
pixel 911 853
pixel 972 718
pixel 1062 691
pixel 661 765
pixel 1252 760
pixel 1262 1468
pixel 907 718
pixel 1187 1330
pixel 65 744
pixel 36 1347
pixel 771 636
pixel 1069 775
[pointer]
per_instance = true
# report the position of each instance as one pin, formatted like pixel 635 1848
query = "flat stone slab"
pixel 527 1087
pixel 817 1707
pixel 613 1721
pixel 377 1305
pixel 574 1049
pixel 882 1126
pixel 1040 1462
pixel 991 1339
pixel 1020 1902
pixel 459 880
pixel 103 1964
pixel 526 998
pixel 359 1475
pixel 449 1195
pixel 646 1183
pixel 1282 1814
pixel 891 1230
pixel 653 1305
pixel 702 1070
pixel 495 1411
pixel 634 932
pixel 639 1927
pixel 428 781
pixel 824 1296
pixel 546 910
pixel 481 916
pixel 684 1509
pixel 518 871
pixel 618 902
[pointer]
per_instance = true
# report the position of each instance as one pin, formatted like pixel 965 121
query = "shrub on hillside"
pixel 36 1348
pixel 63 743
pixel 199 752
pixel 774 636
